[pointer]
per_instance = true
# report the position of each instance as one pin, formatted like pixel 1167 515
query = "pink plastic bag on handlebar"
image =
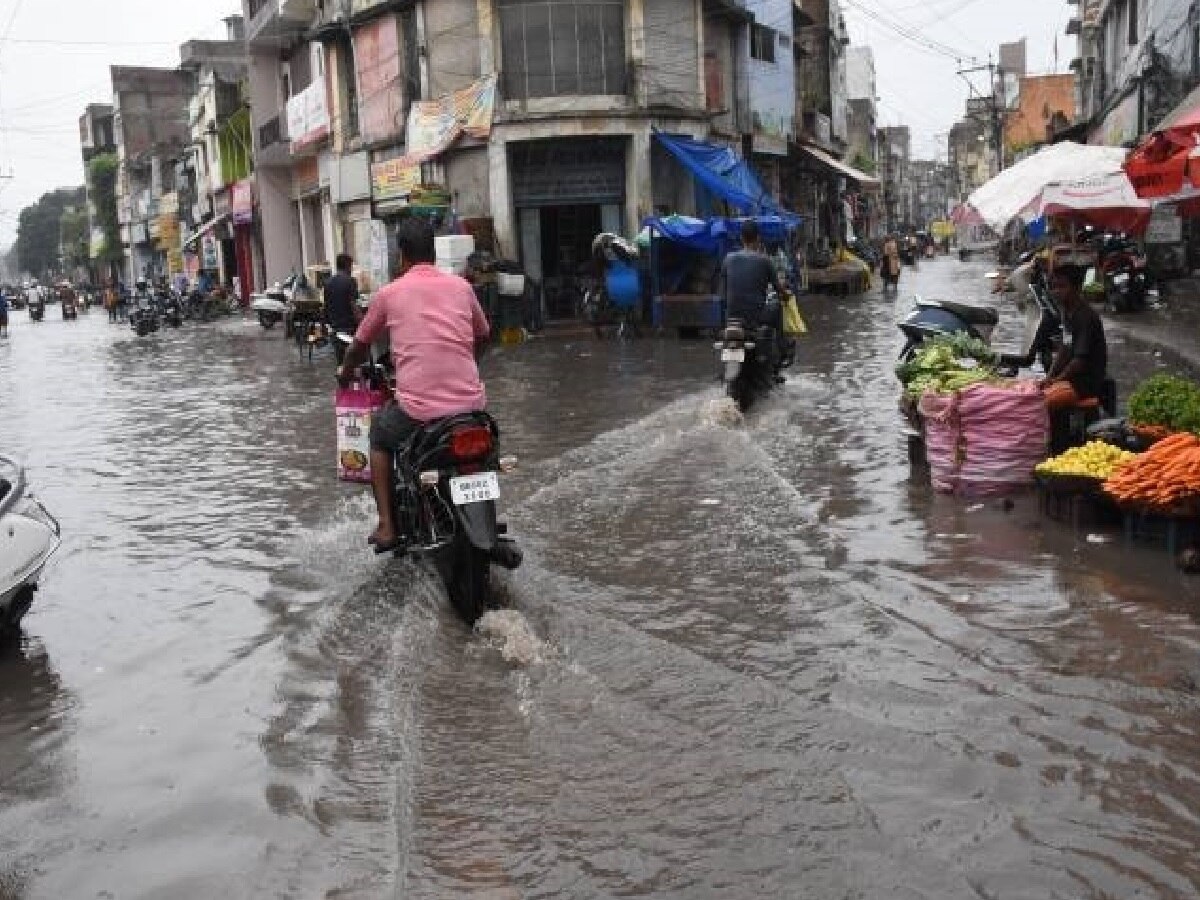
pixel 353 409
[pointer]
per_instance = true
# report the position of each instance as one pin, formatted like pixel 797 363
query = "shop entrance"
pixel 566 191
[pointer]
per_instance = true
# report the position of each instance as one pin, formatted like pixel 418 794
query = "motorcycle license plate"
pixel 733 356
pixel 474 488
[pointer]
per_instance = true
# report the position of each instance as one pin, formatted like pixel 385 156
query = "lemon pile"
pixel 1094 460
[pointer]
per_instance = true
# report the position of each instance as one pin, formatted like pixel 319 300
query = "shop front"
pixel 565 191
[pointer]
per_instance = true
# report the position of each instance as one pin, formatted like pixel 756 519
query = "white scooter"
pixel 278 304
pixel 29 535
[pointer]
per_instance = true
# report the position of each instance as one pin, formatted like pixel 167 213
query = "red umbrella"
pixel 1162 162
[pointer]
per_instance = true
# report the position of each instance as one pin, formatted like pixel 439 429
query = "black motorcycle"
pixel 446 483
pixel 170 308
pixel 37 310
pixel 143 317
pixel 1124 271
pixel 750 361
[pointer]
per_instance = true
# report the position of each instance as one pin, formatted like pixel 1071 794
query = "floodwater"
pixel 749 659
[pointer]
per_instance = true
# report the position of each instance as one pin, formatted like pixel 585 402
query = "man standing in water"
pixel 438 332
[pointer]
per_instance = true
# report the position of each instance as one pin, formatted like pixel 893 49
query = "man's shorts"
pixel 392 428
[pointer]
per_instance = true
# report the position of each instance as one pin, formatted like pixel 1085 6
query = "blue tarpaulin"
pixel 717 236
pixel 722 173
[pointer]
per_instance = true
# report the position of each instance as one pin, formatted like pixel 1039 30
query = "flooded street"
pixel 756 660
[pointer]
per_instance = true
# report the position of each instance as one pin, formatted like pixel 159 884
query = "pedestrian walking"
pixel 3 315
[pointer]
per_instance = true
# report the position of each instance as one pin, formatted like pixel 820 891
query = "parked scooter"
pixel 446 484
pixel 1043 327
pixel 29 535
pixel 170 308
pixel 750 358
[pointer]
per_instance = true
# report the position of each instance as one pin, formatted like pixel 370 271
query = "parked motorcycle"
pixel 750 360
pixel 446 484
pixel 170 308
pixel 1124 270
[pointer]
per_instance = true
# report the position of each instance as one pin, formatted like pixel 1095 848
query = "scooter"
pixel 29 535
pixel 37 310
pixel 445 487
pixel 272 305
pixel 70 311
pixel 1043 326
pixel 1124 271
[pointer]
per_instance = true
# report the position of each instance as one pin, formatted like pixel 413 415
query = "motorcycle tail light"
pixel 431 478
pixel 471 442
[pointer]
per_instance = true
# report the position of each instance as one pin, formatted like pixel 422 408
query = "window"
pixel 349 80
pixel 1133 21
pixel 556 48
pixel 762 43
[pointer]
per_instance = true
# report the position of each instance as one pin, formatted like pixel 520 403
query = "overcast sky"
pixel 54 59
pixel 55 54
pixel 917 84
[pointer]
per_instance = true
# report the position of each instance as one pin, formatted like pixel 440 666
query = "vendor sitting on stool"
pixel 1080 368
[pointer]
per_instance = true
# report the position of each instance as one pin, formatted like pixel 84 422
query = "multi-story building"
pixel 96 138
pixel 933 191
pixel 1137 59
pixel 895 153
pixel 861 110
pixel 1044 106
pixel 215 194
pixel 151 131
pixel 971 146
pixel 530 124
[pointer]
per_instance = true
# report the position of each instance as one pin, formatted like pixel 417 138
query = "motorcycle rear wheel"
pixel 467 571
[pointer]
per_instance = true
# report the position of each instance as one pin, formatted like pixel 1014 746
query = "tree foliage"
pixel 73 238
pixel 39 230
pixel 102 187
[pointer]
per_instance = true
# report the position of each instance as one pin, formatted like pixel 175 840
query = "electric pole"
pixel 995 122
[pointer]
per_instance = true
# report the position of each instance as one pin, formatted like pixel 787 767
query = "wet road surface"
pixel 747 660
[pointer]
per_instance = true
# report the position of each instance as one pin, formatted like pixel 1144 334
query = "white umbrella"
pixel 1014 189
pixel 1104 201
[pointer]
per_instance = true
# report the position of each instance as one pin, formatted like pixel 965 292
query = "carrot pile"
pixel 1165 475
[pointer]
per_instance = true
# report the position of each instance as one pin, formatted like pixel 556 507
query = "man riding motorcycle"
pixel 746 275
pixel 438 332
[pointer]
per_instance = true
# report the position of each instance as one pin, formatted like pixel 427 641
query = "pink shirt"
pixel 433 320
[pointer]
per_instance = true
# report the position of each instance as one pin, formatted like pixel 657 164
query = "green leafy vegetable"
pixel 1166 400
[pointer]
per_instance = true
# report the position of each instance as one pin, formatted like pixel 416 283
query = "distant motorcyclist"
pixel 341 302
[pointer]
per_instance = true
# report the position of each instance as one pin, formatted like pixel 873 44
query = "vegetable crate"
pixel 1173 530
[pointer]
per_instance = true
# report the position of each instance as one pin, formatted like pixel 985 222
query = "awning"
pixel 714 236
pixel 863 179
pixel 721 171
pixel 205 229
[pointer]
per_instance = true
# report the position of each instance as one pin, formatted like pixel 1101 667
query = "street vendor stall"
pixel 685 257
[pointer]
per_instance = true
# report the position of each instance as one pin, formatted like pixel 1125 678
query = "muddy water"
pixel 745 660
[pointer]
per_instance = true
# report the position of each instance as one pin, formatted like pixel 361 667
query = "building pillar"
pixel 500 198
pixel 639 188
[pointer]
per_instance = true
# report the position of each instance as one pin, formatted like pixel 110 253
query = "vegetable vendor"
pixel 1081 366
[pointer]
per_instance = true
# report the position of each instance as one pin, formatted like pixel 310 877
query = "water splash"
pixel 513 636
pixel 722 412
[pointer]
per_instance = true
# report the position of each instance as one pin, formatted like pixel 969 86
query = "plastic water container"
pixel 510 285
pixel 454 246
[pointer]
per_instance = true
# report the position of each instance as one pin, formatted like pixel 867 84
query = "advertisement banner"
pixel 242 202
pixel 377 58
pixel 433 125
pixel 308 115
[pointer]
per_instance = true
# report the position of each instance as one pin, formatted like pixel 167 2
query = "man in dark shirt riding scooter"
pixel 341 302
pixel 746 275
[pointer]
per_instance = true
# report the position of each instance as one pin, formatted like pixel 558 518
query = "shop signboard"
pixel 434 125
pixel 242 202
pixel 394 179
pixel 377 58
pixel 1166 226
pixel 308 115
